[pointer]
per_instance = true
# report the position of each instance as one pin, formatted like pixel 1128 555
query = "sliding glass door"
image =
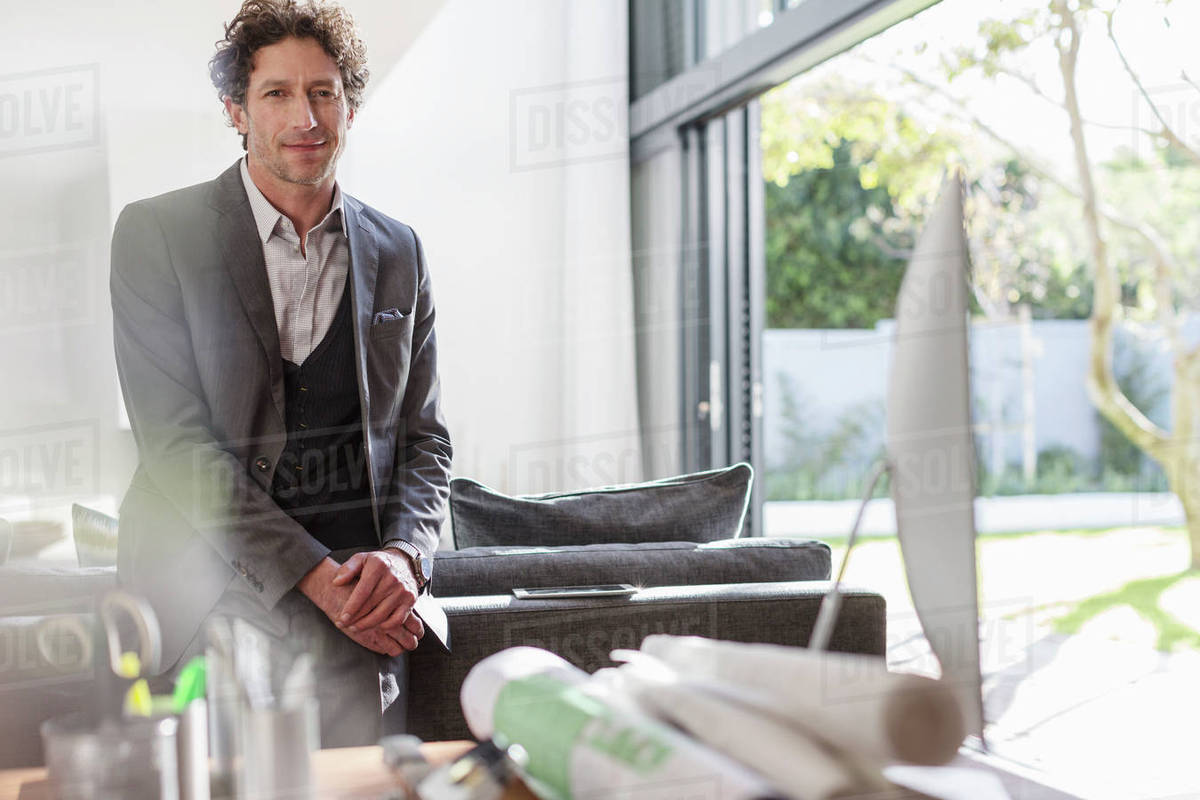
pixel 697 68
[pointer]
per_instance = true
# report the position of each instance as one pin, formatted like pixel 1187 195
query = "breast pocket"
pixel 389 324
pixel 388 351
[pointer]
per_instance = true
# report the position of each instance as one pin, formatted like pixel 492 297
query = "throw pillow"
pixel 700 507
pixel 95 535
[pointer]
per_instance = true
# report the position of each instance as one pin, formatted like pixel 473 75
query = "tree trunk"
pixel 1190 497
pixel 1176 452
pixel 1187 488
pixel 1183 457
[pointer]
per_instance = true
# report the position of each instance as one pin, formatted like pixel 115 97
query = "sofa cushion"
pixel 700 507
pixel 35 590
pixel 498 570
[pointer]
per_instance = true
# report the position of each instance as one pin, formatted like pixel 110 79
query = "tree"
pixel 867 169
pixel 826 266
pixel 1165 298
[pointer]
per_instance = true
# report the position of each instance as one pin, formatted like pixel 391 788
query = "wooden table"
pixel 347 772
pixel 358 773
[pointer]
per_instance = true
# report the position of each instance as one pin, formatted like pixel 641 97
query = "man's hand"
pixel 384 594
pixel 319 587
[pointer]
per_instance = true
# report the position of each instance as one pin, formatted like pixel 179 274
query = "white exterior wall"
pixel 837 370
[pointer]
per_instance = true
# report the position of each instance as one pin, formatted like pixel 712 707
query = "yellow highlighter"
pixel 138 702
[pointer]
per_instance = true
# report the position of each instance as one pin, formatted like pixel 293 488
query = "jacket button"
pixel 262 463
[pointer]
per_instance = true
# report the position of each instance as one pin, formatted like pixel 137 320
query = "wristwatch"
pixel 422 564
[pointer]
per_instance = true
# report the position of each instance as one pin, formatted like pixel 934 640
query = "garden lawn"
pixel 1090 652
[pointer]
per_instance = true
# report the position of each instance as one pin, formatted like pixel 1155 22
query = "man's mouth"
pixel 307 145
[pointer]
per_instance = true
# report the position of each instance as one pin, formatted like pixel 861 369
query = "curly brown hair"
pixel 260 23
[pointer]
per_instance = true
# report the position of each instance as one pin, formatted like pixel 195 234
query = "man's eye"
pixel 275 93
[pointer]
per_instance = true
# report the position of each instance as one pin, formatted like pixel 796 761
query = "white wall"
pixel 527 238
pixel 59 440
pixel 530 260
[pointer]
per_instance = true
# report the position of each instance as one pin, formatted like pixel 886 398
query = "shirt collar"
pixel 266 216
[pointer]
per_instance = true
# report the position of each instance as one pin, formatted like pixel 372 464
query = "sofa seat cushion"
pixel 498 570
pixel 700 507
pixel 33 589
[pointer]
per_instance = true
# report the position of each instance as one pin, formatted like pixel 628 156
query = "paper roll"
pixel 790 758
pixel 850 701
pixel 580 744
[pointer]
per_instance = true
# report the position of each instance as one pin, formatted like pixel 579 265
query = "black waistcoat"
pixel 321 480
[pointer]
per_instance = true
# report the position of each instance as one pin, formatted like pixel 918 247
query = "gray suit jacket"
pixel 198 356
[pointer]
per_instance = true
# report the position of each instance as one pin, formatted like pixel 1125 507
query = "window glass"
pixel 1084 548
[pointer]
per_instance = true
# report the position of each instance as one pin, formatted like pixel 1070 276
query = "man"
pixel 275 343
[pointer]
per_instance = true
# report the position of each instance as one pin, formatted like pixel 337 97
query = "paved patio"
pixel 1101 711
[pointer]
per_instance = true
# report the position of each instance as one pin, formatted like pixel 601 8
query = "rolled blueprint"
pixel 788 756
pixel 581 745
pixel 850 701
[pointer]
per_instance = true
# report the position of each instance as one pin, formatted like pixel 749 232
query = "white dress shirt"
pixel 306 281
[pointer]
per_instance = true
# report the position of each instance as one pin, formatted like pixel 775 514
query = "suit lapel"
pixel 364 269
pixel 242 252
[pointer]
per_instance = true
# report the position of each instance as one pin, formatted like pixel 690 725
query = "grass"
pixel 1143 596
pixel 1101 570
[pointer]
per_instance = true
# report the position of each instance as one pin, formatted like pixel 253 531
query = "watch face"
pixel 425 564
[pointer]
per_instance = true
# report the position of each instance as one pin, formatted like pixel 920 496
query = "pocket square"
pixel 388 314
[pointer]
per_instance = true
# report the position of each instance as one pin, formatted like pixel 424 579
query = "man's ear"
pixel 237 113
pixel 350 119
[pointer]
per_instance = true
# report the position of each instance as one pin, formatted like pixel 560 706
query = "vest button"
pixel 262 463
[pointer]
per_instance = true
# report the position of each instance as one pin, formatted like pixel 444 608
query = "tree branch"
pixel 1166 265
pixel 1102 384
pixel 1188 79
pixel 1028 81
pixel 1031 84
pixel 1167 133
pixel 1141 429
pixel 890 250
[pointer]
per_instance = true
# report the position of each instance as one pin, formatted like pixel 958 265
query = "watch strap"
pixel 415 556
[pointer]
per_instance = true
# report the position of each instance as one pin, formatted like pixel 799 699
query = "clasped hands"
pixel 369 598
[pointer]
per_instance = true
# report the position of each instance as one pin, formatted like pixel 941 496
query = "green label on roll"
pixel 560 727
pixel 545 716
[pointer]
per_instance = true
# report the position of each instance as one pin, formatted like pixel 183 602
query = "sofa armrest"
pixel 584 631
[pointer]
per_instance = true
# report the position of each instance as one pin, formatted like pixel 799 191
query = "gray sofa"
pixel 761 590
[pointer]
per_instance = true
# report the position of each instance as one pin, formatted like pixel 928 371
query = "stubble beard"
pixel 276 163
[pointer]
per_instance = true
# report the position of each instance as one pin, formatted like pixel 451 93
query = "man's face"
pixel 295 115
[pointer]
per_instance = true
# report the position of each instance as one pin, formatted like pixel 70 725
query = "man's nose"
pixel 302 113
